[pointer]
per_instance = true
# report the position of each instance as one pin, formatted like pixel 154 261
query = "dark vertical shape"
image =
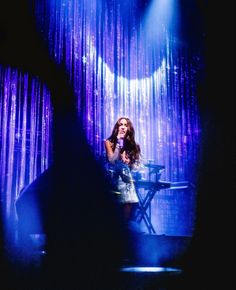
pixel 84 234
pixel 210 261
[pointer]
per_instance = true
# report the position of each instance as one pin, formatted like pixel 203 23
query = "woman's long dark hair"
pixel 130 146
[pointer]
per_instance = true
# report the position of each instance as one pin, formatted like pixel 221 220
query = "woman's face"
pixel 123 127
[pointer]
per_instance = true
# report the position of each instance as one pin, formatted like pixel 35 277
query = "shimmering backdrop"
pixel 123 58
pixel 25 118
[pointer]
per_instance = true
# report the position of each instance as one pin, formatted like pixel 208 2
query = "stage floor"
pixel 154 262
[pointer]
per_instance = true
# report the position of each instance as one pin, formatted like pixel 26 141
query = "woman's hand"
pixel 125 158
pixel 120 135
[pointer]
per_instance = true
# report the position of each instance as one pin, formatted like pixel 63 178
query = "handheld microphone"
pixel 121 143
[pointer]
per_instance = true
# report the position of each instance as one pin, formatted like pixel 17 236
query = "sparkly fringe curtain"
pixel 25 119
pixel 115 71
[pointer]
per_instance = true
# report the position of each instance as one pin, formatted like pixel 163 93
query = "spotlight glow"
pixel 150 270
pixel 161 16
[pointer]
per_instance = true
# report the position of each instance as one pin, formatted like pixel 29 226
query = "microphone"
pixel 121 142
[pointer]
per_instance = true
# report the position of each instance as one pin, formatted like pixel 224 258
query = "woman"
pixel 123 155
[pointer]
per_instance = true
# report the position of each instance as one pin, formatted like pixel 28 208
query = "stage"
pixel 154 262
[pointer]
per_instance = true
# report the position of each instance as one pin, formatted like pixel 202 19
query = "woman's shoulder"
pixel 108 142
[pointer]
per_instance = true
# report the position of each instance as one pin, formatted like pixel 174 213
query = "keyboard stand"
pixel 144 205
pixel 145 200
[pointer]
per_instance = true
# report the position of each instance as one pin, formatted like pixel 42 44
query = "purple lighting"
pixel 25 133
pixel 115 71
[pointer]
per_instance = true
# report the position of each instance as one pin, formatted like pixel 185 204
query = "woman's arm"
pixel 112 156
